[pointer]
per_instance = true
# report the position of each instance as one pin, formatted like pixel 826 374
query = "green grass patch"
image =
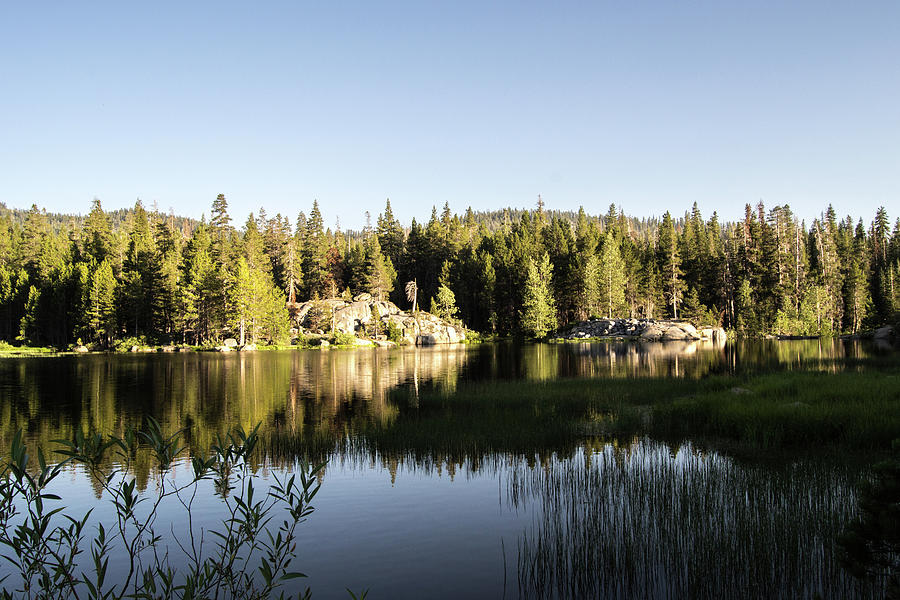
pixel 10 350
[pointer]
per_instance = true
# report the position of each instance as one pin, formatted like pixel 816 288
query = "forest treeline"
pixel 142 274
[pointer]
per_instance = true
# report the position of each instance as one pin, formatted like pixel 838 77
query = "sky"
pixel 649 105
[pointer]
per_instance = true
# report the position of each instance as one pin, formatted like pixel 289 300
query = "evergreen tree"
pixel 35 243
pixel 315 266
pixel 167 279
pixel 538 315
pixel 612 279
pixel 390 234
pixel 137 290
pixel 102 304
pixel 96 235
pixel 591 274
pixel 443 304
pixel 379 272
pixel 220 230
pixel 670 263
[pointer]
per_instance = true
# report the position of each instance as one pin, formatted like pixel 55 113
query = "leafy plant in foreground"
pixel 248 555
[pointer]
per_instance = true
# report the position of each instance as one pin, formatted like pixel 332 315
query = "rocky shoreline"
pixel 373 319
pixel 650 330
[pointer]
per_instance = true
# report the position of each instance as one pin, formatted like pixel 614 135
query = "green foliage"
pixel 127 343
pixel 538 308
pixel 394 333
pixel 102 304
pixel 343 339
pixel 255 545
pixel 379 272
pixel 136 272
pixel 443 305
pixel 611 279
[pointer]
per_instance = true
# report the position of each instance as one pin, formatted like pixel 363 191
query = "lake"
pixel 424 497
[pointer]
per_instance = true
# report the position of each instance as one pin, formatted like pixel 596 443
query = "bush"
pixel 125 344
pixel 318 318
pixel 249 559
pixel 343 339
pixel 394 333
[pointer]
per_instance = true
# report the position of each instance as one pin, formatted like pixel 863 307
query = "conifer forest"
pixel 139 273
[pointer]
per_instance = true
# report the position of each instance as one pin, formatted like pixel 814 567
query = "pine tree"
pixel 96 235
pixel 103 304
pixel 591 274
pixel 242 295
pixel 443 305
pixel 167 279
pixel 35 242
pixel 315 268
pixel 538 316
pixel 198 302
pixel 379 273
pixel 29 328
pixel 137 290
pixel 612 278
pixel 670 263
pixel 220 230
pixel 390 234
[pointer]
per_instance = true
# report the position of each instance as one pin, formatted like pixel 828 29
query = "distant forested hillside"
pixel 141 273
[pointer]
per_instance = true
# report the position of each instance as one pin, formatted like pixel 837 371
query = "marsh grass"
pixel 647 520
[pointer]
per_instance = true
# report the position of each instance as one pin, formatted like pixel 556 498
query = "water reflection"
pixel 340 392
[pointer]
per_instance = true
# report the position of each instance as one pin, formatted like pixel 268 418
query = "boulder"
pixel 167 348
pixel 681 331
pixel 653 331
pixel 348 318
pixel 886 333
pixel 386 308
pixel 224 348
pixel 230 343
pixel 80 349
pixel 248 348
pixel 351 317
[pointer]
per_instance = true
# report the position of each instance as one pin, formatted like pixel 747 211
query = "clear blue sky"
pixel 648 105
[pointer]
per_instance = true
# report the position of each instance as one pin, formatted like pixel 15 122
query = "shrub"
pixel 343 339
pixel 394 333
pixel 249 559
pixel 125 344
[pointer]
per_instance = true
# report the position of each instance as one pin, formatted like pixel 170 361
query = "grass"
pixel 855 409
pixel 10 350
pixel 791 410
pixel 647 520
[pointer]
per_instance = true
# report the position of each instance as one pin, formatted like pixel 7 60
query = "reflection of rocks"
pixel 423 329
pixel 644 329
pixel 340 376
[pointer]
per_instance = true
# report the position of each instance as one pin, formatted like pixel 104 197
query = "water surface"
pixel 409 517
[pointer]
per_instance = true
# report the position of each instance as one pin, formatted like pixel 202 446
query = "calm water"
pixel 413 504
